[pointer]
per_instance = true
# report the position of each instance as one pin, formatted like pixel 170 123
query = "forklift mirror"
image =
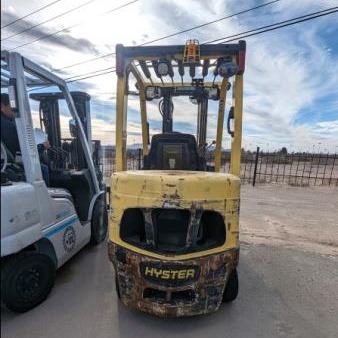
pixel 72 127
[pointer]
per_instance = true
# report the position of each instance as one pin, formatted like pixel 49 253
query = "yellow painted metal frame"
pixel 235 164
pixel 219 134
pixel 143 107
pixel 121 114
pixel 121 123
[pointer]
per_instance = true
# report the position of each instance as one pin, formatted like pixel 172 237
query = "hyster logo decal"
pixel 169 274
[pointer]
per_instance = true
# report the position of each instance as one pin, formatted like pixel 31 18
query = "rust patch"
pixel 149 227
pixel 200 296
pixel 178 172
pixel 171 200
pixel 194 224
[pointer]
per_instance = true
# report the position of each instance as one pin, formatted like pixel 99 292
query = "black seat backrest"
pixel 79 183
pixel 173 151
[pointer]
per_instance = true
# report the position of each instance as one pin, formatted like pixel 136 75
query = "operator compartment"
pixel 68 167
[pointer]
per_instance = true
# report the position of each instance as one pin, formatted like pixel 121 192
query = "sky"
pixel 291 78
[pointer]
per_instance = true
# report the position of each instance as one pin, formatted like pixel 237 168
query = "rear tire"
pixel 26 280
pixel 117 288
pixel 231 289
pixel 99 222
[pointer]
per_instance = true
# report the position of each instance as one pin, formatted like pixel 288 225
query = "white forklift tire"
pixel 99 222
pixel 26 280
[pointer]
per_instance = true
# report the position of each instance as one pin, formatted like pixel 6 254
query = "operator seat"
pixel 174 151
pixel 80 185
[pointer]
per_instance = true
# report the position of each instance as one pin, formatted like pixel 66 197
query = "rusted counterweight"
pixel 200 296
pixel 173 239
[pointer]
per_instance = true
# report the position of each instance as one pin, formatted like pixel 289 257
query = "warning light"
pixel 191 52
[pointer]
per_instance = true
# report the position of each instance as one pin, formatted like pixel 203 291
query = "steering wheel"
pixel 3 158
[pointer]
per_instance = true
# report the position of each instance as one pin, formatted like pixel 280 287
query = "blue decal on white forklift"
pixel 62 214
pixel 61 226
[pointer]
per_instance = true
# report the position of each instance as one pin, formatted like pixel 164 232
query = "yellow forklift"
pixel 174 232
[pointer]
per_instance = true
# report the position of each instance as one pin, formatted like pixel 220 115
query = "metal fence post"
pixel 255 170
pixel 139 158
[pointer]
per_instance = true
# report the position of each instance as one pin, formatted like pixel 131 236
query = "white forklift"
pixel 43 227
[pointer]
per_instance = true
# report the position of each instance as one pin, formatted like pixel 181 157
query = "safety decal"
pixel 69 239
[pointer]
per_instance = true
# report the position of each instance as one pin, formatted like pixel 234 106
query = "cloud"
pixel 64 39
pixel 290 73
pixel 328 127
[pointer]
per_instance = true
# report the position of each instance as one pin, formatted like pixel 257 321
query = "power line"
pixel 70 27
pixel 51 19
pixel 86 61
pixel 237 36
pixel 73 78
pixel 242 35
pixel 210 22
pixel 89 77
pixel 31 13
pixel 277 25
pixel 174 34
pixel 88 73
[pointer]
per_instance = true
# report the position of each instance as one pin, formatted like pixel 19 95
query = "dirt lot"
pixel 288 281
pixel 304 218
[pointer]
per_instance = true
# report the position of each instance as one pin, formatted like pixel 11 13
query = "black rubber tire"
pixel 99 222
pixel 26 280
pixel 231 289
pixel 117 288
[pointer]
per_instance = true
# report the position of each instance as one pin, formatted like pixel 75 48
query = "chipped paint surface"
pixel 176 189
pixel 206 291
pixel 196 192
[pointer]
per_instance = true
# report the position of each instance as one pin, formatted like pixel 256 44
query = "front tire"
pixel 26 280
pixel 99 222
pixel 231 289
